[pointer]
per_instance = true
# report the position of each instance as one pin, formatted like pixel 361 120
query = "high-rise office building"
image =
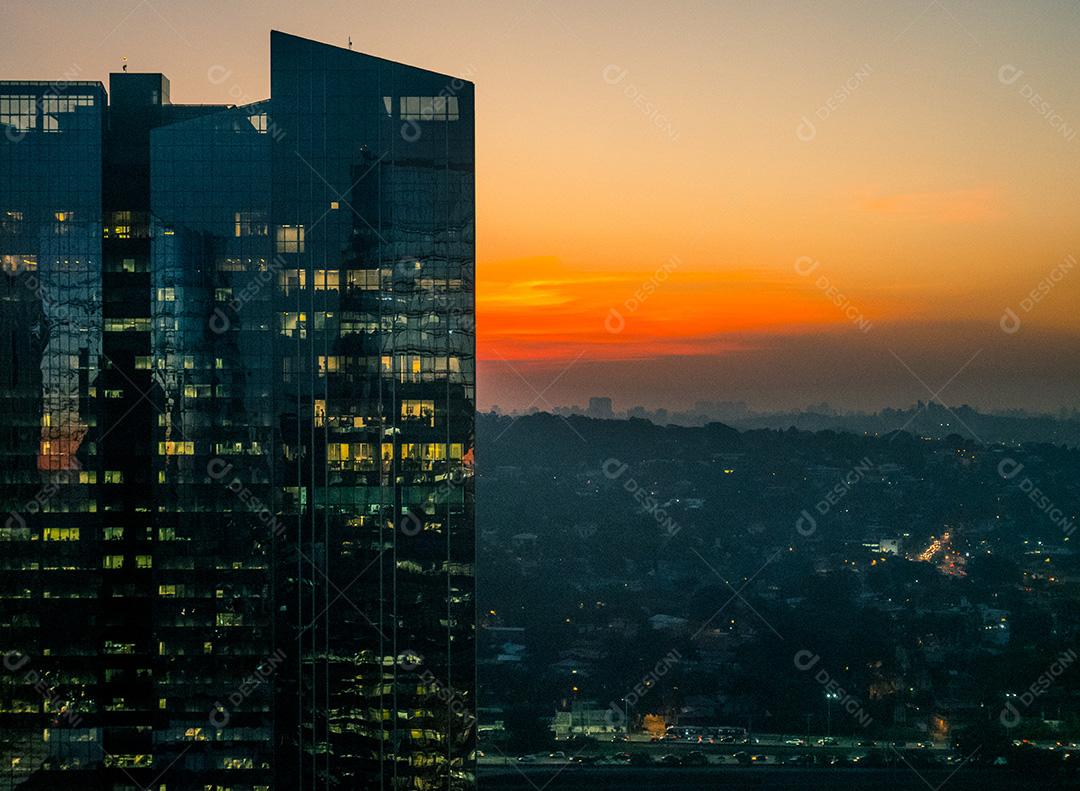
pixel 236 436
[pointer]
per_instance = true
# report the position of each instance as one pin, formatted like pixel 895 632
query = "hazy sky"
pixel 783 202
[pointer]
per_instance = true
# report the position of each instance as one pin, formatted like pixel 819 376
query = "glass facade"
pixel 238 360
pixel 213 444
pixel 51 473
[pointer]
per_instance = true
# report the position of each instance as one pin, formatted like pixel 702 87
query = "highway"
pixel 760 749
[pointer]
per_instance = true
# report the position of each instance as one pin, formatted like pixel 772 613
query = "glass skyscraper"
pixel 236 438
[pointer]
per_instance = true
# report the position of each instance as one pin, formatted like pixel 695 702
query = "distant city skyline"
pixel 893 368
pixel 604 407
pixel 772 197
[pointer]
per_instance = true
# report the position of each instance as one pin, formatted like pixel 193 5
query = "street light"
pixel 829 698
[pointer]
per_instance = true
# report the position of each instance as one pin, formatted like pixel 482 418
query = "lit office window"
pixel 290 239
pixel 429 108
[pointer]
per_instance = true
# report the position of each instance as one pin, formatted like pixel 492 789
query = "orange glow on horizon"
pixel 537 310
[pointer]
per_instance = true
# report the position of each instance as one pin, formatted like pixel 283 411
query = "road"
pixel 776 749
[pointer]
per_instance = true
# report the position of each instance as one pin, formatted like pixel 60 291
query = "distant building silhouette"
pixel 600 407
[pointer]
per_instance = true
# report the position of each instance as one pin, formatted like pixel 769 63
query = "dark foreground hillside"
pixel 925 583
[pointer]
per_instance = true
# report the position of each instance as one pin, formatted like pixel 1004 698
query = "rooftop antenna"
pixel 350 42
pixel 125 63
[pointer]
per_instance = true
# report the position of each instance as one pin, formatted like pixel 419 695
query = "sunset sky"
pixel 712 172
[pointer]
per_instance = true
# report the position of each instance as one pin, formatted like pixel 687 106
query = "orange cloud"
pixel 948 207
